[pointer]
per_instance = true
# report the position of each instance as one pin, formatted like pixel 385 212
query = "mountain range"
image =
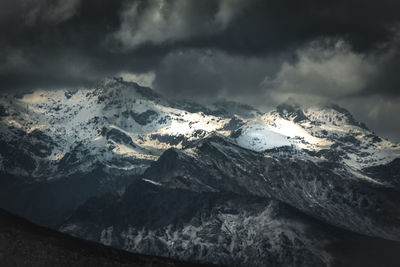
pixel 224 183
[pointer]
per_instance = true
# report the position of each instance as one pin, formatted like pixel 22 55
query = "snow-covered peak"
pixel 333 115
pixel 329 132
pixel 118 124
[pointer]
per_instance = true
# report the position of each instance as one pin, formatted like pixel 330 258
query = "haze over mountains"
pixel 224 183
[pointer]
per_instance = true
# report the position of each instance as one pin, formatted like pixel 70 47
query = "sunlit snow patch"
pixel 258 138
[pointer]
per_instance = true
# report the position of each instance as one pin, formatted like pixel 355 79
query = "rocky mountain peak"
pixel 116 88
pixel 291 112
pixel 344 114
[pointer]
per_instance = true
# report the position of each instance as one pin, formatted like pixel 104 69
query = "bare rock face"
pixel 222 228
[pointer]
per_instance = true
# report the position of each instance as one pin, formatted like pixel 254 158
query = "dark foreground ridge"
pixel 23 243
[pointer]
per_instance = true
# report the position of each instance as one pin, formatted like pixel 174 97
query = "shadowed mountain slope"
pixel 25 244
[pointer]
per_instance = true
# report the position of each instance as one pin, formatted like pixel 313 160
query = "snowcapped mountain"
pixel 328 133
pixel 224 183
pixel 120 125
pixel 49 134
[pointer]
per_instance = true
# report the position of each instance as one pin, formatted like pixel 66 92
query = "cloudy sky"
pixel 261 52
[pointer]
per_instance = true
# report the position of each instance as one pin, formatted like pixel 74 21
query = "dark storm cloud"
pixel 276 25
pixel 67 43
pixel 47 45
pixel 257 26
pixel 209 74
pixel 387 80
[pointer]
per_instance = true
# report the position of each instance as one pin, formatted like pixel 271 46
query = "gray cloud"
pixel 37 11
pixel 165 21
pixel 325 71
pixel 212 73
